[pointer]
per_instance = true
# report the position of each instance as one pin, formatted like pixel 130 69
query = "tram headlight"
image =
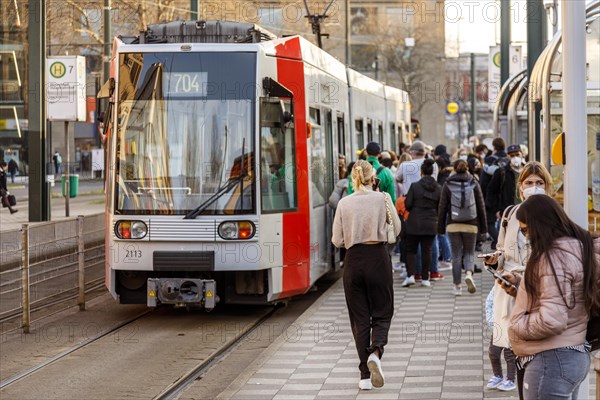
pixel 131 229
pixel 230 230
pixel 138 230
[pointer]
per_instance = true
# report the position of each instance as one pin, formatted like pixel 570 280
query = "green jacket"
pixel 386 177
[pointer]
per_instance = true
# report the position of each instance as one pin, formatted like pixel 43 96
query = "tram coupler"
pixel 182 292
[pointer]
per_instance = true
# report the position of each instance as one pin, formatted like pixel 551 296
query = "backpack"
pixel 463 206
pixel 497 162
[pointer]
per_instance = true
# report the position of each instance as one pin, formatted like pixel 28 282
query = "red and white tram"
pixel 222 156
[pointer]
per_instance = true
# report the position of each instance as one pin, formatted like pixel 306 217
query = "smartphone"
pixel 376 184
pixel 485 255
pixel 489 254
pixel 498 276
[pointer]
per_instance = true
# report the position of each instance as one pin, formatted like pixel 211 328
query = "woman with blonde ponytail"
pixel 360 227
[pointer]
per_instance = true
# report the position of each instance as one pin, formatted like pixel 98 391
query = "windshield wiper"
pixel 222 190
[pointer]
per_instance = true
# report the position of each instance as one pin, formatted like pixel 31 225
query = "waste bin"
pixel 73 185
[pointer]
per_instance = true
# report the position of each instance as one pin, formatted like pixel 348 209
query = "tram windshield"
pixel 185 131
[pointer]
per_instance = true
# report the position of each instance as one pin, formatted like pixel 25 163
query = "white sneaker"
pixel 444 265
pixel 470 284
pixel 374 364
pixel 410 280
pixel 365 384
pixel 398 267
pixel 425 283
pixel 404 274
pixel 457 291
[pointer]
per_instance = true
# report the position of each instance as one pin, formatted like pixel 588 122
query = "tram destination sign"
pixel 65 88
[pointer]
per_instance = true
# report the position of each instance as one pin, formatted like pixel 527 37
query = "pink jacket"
pixel 549 324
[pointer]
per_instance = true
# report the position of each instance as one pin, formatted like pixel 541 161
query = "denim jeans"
pixel 434 258
pixel 444 244
pixel 555 374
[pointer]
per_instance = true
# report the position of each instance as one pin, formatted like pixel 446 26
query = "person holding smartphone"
pixel 510 258
pixel 554 301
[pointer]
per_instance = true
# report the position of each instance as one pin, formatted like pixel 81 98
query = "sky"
pixel 475 25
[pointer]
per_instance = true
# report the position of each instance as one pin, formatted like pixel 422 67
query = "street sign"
pixel 65 90
pixel 452 107
pixel 515 65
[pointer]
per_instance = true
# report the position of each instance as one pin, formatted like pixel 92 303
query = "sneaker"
pixel 444 265
pixel 403 275
pixel 470 284
pixel 477 270
pixel 13 211
pixel 425 283
pixel 494 382
pixel 374 364
pixel 365 384
pixel 457 291
pixel 398 267
pixel 418 278
pixel 507 385
pixel 435 276
pixel 410 280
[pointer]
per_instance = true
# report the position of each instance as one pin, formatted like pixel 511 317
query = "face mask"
pixel 516 161
pixel 463 158
pixel 530 191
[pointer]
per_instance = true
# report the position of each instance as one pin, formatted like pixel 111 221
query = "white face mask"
pixel 516 161
pixel 463 158
pixel 530 191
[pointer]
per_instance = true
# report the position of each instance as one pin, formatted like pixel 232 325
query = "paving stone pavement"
pixel 437 349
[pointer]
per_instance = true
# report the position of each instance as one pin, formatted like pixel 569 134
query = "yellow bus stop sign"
pixel 452 107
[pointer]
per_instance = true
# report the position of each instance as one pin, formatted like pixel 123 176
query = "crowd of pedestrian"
pixel 547 278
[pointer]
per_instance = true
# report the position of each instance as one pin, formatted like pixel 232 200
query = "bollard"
pixel 597 368
pixel 25 277
pixel 81 262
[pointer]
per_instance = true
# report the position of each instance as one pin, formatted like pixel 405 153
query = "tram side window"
pixel 360 133
pixel 277 157
pixel 380 133
pixel 318 152
pixel 393 136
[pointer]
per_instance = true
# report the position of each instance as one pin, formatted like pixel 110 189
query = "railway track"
pixel 172 391
pixel 143 354
pixel 167 351
pixel 70 350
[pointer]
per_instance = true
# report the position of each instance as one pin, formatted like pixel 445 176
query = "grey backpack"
pixel 462 201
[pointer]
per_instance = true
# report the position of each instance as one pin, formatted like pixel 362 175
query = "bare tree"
pixel 412 61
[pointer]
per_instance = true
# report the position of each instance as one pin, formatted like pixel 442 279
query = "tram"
pixel 222 150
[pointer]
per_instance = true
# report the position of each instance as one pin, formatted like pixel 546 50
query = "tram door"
pixel 321 171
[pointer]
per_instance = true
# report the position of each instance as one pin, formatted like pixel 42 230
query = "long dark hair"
pixel 547 221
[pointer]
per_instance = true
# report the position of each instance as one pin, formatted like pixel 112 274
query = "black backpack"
pixel 463 206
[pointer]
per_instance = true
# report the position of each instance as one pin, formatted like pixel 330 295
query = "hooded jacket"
pixel 548 323
pixel 422 201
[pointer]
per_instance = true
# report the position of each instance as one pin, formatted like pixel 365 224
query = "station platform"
pixel 437 349
pixel 90 200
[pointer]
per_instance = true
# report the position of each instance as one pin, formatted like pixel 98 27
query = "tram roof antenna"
pixel 315 22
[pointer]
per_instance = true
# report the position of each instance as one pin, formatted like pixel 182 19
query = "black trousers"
pixel 370 299
pixel 412 244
